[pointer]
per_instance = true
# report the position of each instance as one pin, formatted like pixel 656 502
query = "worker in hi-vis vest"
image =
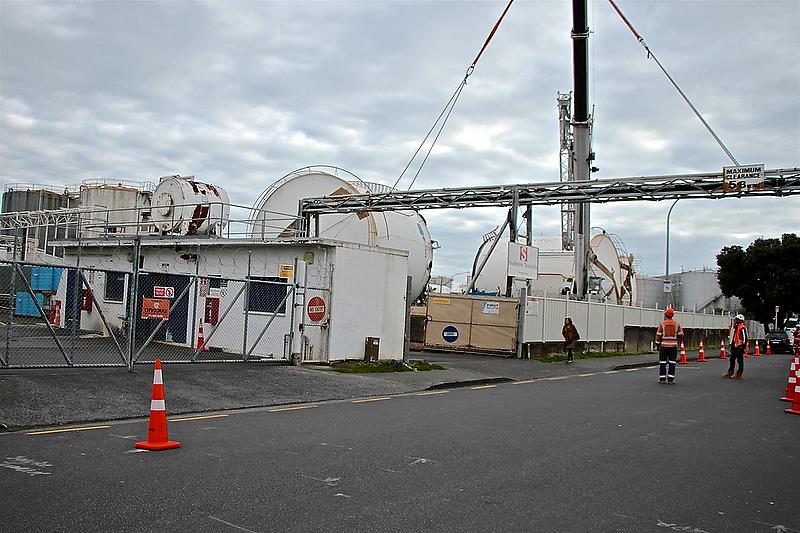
pixel 738 343
pixel 668 336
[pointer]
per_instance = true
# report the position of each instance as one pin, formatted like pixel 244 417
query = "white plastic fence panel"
pixel 615 327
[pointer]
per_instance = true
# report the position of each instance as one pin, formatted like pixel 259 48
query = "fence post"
pixel 544 317
pixel 605 328
pixel 407 334
pixel 523 295
pixel 247 303
pixel 133 303
pixel 76 318
pixel 12 304
pixel 296 360
pixel 194 301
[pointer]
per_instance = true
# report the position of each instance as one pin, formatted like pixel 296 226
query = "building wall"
pixel 368 296
pixel 368 301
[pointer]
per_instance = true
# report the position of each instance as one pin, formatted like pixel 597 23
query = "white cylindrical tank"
pixel 186 206
pixel 555 267
pixel 611 272
pixel 402 230
pixel 114 206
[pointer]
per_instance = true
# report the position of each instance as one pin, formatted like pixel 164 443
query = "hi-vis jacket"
pixel 740 335
pixel 668 333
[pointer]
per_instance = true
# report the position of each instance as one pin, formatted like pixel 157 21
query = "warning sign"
pixel 316 309
pixel 155 308
pixel 163 292
pixel 286 271
pixel 743 178
pixel 204 285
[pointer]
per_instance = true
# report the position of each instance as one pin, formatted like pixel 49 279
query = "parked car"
pixel 779 341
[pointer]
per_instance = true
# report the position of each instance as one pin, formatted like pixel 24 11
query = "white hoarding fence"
pixel 544 318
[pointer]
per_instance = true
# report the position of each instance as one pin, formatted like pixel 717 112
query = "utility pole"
pixel 582 126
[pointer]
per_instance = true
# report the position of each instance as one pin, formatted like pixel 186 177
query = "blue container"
pixel 45 278
pixel 25 305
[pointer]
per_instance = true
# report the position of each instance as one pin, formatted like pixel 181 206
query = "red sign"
pixel 316 309
pixel 154 308
pixel 163 292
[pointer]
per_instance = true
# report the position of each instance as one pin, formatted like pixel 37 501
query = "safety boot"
pixel 728 374
pixel 737 375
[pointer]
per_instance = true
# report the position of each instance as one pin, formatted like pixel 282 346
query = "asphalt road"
pixel 599 451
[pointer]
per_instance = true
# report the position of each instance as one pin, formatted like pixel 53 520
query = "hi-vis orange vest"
pixel 740 335
pixel 668 333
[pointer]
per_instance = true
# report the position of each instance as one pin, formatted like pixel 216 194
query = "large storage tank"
pixel 403 230
pixel 115 206
pixel 611 272
pixel 19 197
pixel 185 206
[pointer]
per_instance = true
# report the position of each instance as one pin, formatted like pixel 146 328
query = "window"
pixel 115 287
pixel 267 295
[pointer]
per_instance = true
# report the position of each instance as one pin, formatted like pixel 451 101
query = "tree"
pixel 765 275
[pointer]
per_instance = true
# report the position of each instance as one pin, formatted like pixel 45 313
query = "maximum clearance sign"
pixel 742 178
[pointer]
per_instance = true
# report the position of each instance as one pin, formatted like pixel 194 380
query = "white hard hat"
pixel 740 317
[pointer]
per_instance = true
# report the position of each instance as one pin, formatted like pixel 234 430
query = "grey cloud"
pixel 243 93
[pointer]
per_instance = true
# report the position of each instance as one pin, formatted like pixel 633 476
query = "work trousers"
pixel 737 354
pixel 667 356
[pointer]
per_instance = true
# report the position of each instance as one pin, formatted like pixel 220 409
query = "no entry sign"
pixel 316 309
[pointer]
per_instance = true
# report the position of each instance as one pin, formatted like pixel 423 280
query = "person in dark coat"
pixel 571 337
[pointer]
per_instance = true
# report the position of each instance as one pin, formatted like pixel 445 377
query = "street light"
pixel 666 255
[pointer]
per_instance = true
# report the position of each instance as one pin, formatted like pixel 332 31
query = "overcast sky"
pixel 241 93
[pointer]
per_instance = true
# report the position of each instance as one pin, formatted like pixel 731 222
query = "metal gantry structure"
pixel 565 168
pixel 709 186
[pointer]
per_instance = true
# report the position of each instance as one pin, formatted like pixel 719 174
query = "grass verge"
pixel 368 367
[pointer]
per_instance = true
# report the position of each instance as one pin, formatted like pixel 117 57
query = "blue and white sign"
pixel 450 333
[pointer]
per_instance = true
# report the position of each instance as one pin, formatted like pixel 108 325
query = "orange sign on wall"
pixel 155 308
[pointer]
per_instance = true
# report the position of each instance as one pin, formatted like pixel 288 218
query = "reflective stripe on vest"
pixel 739 334
pixel 668 331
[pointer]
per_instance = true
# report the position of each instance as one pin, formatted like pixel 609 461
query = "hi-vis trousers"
pixel 667 355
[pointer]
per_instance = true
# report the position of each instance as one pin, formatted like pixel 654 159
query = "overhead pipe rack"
pixel 777 182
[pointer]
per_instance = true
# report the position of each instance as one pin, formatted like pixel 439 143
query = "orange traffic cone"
pixel 157 438
pixel 794 409
pixel 702 358
pixel 769 349
pixel 791 382
pixel 758 349
pixel 683 360
pixel 201 343
pixel 722 350
pixel 747 349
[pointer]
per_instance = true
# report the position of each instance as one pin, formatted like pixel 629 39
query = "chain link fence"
pixel 56 316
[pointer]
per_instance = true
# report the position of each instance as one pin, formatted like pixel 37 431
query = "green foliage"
pixel 763 276
pixel 370 367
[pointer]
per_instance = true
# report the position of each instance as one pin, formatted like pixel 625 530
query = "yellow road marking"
pixel 524 381
pixel 632 369
pixel 430 393
pixel 479 387
pixel 372 399
pixel 64 430
pixel 589 374
pixel 195 418
pixel 611 372
pixel 557 377
pixel 295 408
